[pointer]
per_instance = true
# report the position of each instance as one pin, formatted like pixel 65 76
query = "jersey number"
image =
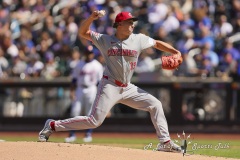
pixel 132 65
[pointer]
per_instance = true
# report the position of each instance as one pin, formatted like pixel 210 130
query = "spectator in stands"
pixel 227 66
pixel 229 60
pixel 44 45
pixel 161 34
pixel 236 26
pixel 4 18
pixel 177 10
pixel 229 48
pixel 76 56
pixel 4 64
pixel 58 41
pixel 200 15
pixel 221 8
pixel 189 67
pixel 49 26
pixel 24 42
pixel 157 11
pixel 50 68
pixel 205 38
pixel 72 30
pixel 186 43
pixel 8 46
pixel 170 23
pixel 187 22
pixel 222 28
pixel 40 8
pixel 207 52
pixel 18 67
pixel 206 60
pixel 34 66
pixel 234 11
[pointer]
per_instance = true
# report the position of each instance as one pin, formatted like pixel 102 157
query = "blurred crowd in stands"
pixel 39 38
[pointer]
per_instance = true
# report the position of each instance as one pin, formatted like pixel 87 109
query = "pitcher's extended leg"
pixel 140 99
pixel 103 103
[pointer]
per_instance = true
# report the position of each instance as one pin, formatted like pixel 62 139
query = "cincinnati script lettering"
pixel 122 52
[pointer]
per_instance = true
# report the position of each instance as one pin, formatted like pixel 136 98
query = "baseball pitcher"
pixel 121 52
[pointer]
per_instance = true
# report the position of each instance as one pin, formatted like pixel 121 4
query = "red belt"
pixel 120 84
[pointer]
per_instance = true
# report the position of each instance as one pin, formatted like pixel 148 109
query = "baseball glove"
pixel 171 62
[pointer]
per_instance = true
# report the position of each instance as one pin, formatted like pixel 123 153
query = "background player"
pixel 85 77
pixel 121 52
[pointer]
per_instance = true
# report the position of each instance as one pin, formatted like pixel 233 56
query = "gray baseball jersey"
pixel 121 56
pixel 115 87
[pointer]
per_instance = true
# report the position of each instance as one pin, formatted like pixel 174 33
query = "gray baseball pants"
pixel 108 95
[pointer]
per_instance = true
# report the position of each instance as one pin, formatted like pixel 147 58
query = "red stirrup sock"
pixel 166 142
pixel 52 124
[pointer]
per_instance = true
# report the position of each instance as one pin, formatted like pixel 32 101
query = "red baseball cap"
pixel 123 16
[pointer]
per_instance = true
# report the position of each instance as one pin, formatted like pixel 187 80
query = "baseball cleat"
pixel 87 139
pixel 70 139
pixel 46 131
pixel 169 147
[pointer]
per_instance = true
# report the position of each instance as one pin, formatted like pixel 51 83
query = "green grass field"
pixel 226 148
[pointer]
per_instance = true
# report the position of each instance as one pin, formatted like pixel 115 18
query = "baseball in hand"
pixel 101 13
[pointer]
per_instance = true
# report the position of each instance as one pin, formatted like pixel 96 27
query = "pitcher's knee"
pixel 95 122
pixel 157 105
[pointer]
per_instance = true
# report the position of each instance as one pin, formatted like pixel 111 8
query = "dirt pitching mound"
pixel 64 151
